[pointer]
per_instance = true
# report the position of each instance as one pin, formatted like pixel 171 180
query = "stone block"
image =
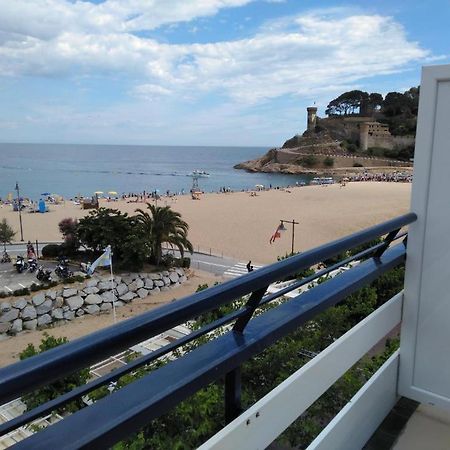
pixel 9 316
pixel 92 309
pixel 74 302
pixel 183 279
pixel 142 293
pixel 128 297
pixel 154 276
pixel 45 319
pixel 20 303
pixel 39 299
pixel 165 273
pixel 5 327
pixel 69 315
pixel 92 282
pixel 58 314
pixel 51 295
pixel 93 299
pixel 166 281
pixel 108 297
pixel 58 303
pixel 148 283
pixel 91 290
pixel 105 307
pixel 122 289
pixel 79 313
pixel 165 289
pixel 119 304
pixel 69 293
pixel 30 324
pixel 159 283
pixel 179 271
pixel 28 313
pixel 16 327
pixel 139 283
pixel 106 285
pixel 155 290
pixel 5 307
pixel 44 308
pixel 173 276
pixel 132 287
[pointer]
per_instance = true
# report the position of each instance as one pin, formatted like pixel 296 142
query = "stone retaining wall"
pixel 65 304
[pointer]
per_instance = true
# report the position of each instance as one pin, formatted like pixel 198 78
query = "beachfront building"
pixel 417 373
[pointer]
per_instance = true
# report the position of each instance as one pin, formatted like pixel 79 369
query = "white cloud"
pixel 306 55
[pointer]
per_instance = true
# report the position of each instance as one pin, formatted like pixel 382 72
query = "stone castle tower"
pixel 312 118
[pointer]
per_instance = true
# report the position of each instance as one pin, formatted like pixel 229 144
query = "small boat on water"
pixel 322 180
pixel 199 174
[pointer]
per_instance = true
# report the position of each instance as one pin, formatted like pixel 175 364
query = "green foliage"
pixel 328 161
pixel 51 250
pixel 163 225
pixel 20 292
pixel 308 161
pixel 6 233
pixel 105 227
pixel 57 388
pixel 389 284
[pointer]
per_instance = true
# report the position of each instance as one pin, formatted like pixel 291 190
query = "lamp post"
pixel 20 212
pixel 283 228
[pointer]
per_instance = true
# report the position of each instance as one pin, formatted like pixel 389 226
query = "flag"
pixel 275 235
pixel 103 260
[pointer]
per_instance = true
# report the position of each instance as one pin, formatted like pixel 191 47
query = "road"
pixel 10 280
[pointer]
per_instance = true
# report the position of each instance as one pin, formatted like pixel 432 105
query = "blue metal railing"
pixel 125 411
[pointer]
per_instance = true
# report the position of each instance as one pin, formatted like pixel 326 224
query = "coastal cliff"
pixel 361 132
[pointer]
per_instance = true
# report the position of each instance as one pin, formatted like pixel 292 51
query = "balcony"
pixel 418 370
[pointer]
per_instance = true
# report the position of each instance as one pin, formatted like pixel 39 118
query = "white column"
pixel 425 336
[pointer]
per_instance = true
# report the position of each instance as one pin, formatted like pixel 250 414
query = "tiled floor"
pixel 428 429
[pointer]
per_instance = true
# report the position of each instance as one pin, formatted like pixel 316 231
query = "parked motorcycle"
pixel 32 265
pixel 43 275
pixel 62 269
pixel 20 264
pixel 5 258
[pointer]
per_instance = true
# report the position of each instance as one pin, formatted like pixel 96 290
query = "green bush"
pixel 51 250
pixel 20 292
pixel 328 161
pixel 308 161
pixel 352 148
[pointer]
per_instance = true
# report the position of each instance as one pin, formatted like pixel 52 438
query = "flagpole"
pixel 112 289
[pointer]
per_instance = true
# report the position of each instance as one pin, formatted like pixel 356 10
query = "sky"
pixel 202 72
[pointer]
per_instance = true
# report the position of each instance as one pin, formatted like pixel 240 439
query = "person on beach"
pixel 249 267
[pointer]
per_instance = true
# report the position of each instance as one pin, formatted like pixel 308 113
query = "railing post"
pixel 251 306
pixel 233 394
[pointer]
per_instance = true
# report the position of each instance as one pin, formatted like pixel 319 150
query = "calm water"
pixel 71 169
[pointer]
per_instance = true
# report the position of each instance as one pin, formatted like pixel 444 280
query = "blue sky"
pixel 201 72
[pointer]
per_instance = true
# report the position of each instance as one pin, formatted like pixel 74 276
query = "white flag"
pixel 103 260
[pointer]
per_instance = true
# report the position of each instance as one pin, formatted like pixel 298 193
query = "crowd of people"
pixel 396 177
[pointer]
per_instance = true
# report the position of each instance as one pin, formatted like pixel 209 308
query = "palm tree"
pixel 163 225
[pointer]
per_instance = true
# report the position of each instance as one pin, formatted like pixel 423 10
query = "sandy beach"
pixel 239 225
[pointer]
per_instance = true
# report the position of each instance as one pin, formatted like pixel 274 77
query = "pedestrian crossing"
pixel 238 269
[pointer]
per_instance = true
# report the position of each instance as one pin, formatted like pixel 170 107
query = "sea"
pixel 72 169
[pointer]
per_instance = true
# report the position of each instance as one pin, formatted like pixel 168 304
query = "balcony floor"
pixel 428 428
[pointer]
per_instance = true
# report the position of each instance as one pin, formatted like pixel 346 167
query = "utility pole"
pixel 19 208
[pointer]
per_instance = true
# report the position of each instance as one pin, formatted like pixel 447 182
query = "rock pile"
pixel 97 296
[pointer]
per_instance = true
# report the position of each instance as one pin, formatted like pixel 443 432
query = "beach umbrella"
pixel 98 192
pixel 112 193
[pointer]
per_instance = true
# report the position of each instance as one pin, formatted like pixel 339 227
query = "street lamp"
pixel 283 228
pixel 20 212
